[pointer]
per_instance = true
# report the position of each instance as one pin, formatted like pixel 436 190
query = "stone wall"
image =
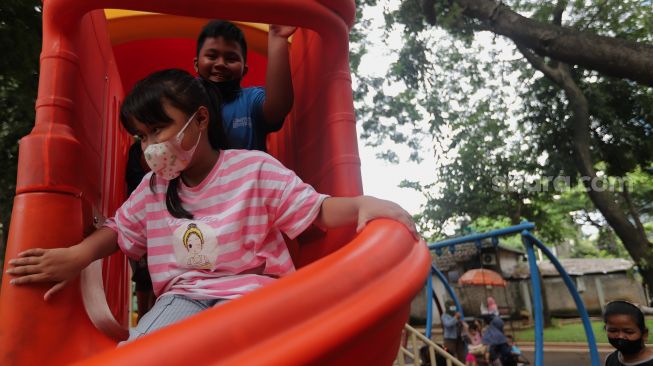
pixel 614 286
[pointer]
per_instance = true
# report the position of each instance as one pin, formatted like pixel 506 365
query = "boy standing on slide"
pixel 249 114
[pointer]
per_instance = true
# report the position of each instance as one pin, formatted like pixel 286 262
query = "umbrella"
pixel 481 277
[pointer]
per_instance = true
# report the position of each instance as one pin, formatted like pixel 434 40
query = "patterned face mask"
pixel 168 159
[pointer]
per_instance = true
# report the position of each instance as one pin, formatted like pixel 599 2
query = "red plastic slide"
pixel 351 295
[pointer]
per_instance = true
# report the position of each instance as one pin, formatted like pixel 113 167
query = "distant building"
pixel 597 280
pixel 453 264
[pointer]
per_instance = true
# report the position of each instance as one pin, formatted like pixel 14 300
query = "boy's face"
pixel 220 60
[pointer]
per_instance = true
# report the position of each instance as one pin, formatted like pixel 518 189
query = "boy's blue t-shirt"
pixel 243 120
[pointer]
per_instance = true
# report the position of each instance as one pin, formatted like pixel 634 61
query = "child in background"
pixel 210 220
pixel 496 343
pixel 475 347
pixel 248 114
pixel 513 347
pixel 627 332
pixel 516 352
pixel 491 307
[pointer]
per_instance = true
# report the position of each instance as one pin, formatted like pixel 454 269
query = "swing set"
pixel 530 243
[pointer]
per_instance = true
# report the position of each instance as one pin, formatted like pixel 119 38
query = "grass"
pixel 574 332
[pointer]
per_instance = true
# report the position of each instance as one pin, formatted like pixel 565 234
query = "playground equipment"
pixel 350 298
pixel 415 340
pixel 530 242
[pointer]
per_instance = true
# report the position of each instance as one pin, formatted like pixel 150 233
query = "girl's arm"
pixel 340 211
pixel 61 264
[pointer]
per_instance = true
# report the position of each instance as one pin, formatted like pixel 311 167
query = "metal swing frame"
pixel 530 242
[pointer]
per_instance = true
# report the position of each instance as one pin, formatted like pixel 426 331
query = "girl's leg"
pixel 167 310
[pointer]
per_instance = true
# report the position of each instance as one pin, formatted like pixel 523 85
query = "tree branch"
pixel 539 64
pixel 428 7
pixel 601 7
pixel 635 241
pixel 561 5
pixel 631 209
pixel 591 221
pixel 610 56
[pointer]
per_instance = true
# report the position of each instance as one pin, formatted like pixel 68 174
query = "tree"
pixel 611 56
pixel 20 37
pixel 579 118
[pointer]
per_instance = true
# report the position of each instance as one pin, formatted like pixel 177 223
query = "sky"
pixel 381 178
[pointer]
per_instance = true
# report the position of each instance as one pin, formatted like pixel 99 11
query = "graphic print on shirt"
pixel 196 245
pixel 242 122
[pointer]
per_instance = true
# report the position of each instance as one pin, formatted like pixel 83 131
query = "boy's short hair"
pixel 622 307
pixel 224 29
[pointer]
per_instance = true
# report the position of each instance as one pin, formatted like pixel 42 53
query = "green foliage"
pixel 484 224
pixel 640 183
pixel 501 131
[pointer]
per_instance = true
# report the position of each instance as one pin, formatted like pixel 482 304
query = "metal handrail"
pixel 433 349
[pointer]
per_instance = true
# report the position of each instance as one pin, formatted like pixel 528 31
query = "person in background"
pixel 497 347
pixel 627 333
pixel 516 352
pixel 475 347
pixel 248 114
pixel 453 329
pixel 491 307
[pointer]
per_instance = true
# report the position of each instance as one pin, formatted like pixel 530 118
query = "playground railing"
pixel 415 337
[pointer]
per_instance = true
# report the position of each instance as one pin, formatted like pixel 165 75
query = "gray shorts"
pixel 169 309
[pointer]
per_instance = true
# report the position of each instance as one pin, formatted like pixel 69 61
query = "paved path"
pixel 565 358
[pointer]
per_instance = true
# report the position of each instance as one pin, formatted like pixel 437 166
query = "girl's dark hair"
pixel 472 326
pixel 224 29
pixel 620 307
pixel 180 90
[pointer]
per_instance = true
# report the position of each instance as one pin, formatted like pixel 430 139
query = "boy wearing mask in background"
pixel 248 114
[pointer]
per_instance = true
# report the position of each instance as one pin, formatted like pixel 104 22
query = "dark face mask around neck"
pixel 626 346
pixel 229 89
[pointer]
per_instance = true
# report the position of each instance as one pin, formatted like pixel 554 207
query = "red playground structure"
pixel 348 301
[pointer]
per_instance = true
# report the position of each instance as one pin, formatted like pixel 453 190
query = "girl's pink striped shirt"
pixel 233 244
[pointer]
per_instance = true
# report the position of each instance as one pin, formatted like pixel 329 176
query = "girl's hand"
pixel 57 265
pixel 283 31
pixel 373 208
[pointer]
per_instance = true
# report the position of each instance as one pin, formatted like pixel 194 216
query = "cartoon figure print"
pixel 193 240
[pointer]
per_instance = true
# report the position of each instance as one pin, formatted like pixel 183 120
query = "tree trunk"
pixel 633 237
pixel 610 56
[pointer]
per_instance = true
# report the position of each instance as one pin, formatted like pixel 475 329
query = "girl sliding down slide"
pixel 210 220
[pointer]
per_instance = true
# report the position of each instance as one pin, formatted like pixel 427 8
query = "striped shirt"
pixel 233 244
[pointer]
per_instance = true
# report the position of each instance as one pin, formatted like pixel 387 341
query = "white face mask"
pixel 168 159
